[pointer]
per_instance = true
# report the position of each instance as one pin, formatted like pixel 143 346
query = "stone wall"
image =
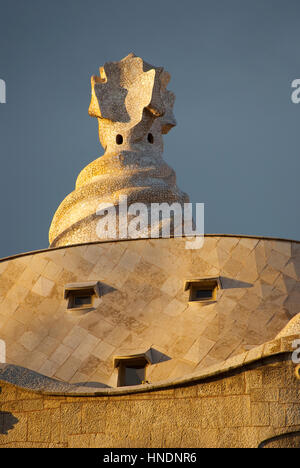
pixel 252 405
pixel 144 305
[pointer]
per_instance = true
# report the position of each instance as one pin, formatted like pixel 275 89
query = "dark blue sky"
pixel 236 146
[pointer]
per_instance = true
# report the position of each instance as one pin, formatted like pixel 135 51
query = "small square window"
pixel 203 290
pixel 131 370
pixel 81 295
pixel 133 374
pixel 83 300
pixel 203 293
pixel 80 299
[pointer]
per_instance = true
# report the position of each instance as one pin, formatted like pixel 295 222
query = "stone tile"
pixel 12 330
pixel 60 328
pixel 264 394
pixel 291 269
pixel 199 349
pixel 49 368
pixel 277 260
pixel 232 267
pixel 284 247
pixel 35 360
pixel 43 287
pixel 277 415
pixel 289 395
pixel 210 244
pixel 116 336
pixel 32 300
pixel 231 411
pixel 269 275
pixel 259 255
pixel 179 347
pixel 209 363
pixel 212 258
pixel 28 278
pixel 263 289
pixel 68 369
pixel 228 303
pixel 248 243
pixel 61 354
pixel 223 257
pixel 86 347
pixel 47 304
pixel 102 329
pixel 223 348
pixel 90 365
pixel 234 361
pixel 79 377
pixel 249 271
pixel 272 347
pixel 104 368
pixel 285 283
pixel 66 277
pixel 30 340
pixel 8 306
pixel 260 414
pixel 172 286
pixel 250 301
pixel 75 337
pixel 3 266
pixel 228 243
pixel 70 420
pixel 103 350
pixel 255 353
pixel 14 270
pixel 17 293
pixel 38 263
pixel 175 308
pixel 240 253
pixel 102 269
pixel 181 368
pixel 119 276
pixel 52 271
pixel 293 415
pixel 149 273
pixel 92 253
pixel 213 331
pixel 5 285
pixel 129 260
pixel 16 352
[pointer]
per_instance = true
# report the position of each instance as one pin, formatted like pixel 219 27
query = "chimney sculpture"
pixel 134 109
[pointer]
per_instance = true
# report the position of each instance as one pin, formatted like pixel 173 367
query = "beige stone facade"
pixel 250 403
pixel 144 306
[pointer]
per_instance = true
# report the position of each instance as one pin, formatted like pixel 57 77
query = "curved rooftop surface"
pixel 144 306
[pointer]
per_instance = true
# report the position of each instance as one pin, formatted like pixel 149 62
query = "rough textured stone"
pixel 232 409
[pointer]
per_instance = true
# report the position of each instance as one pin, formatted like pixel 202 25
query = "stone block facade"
pixel 255 404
